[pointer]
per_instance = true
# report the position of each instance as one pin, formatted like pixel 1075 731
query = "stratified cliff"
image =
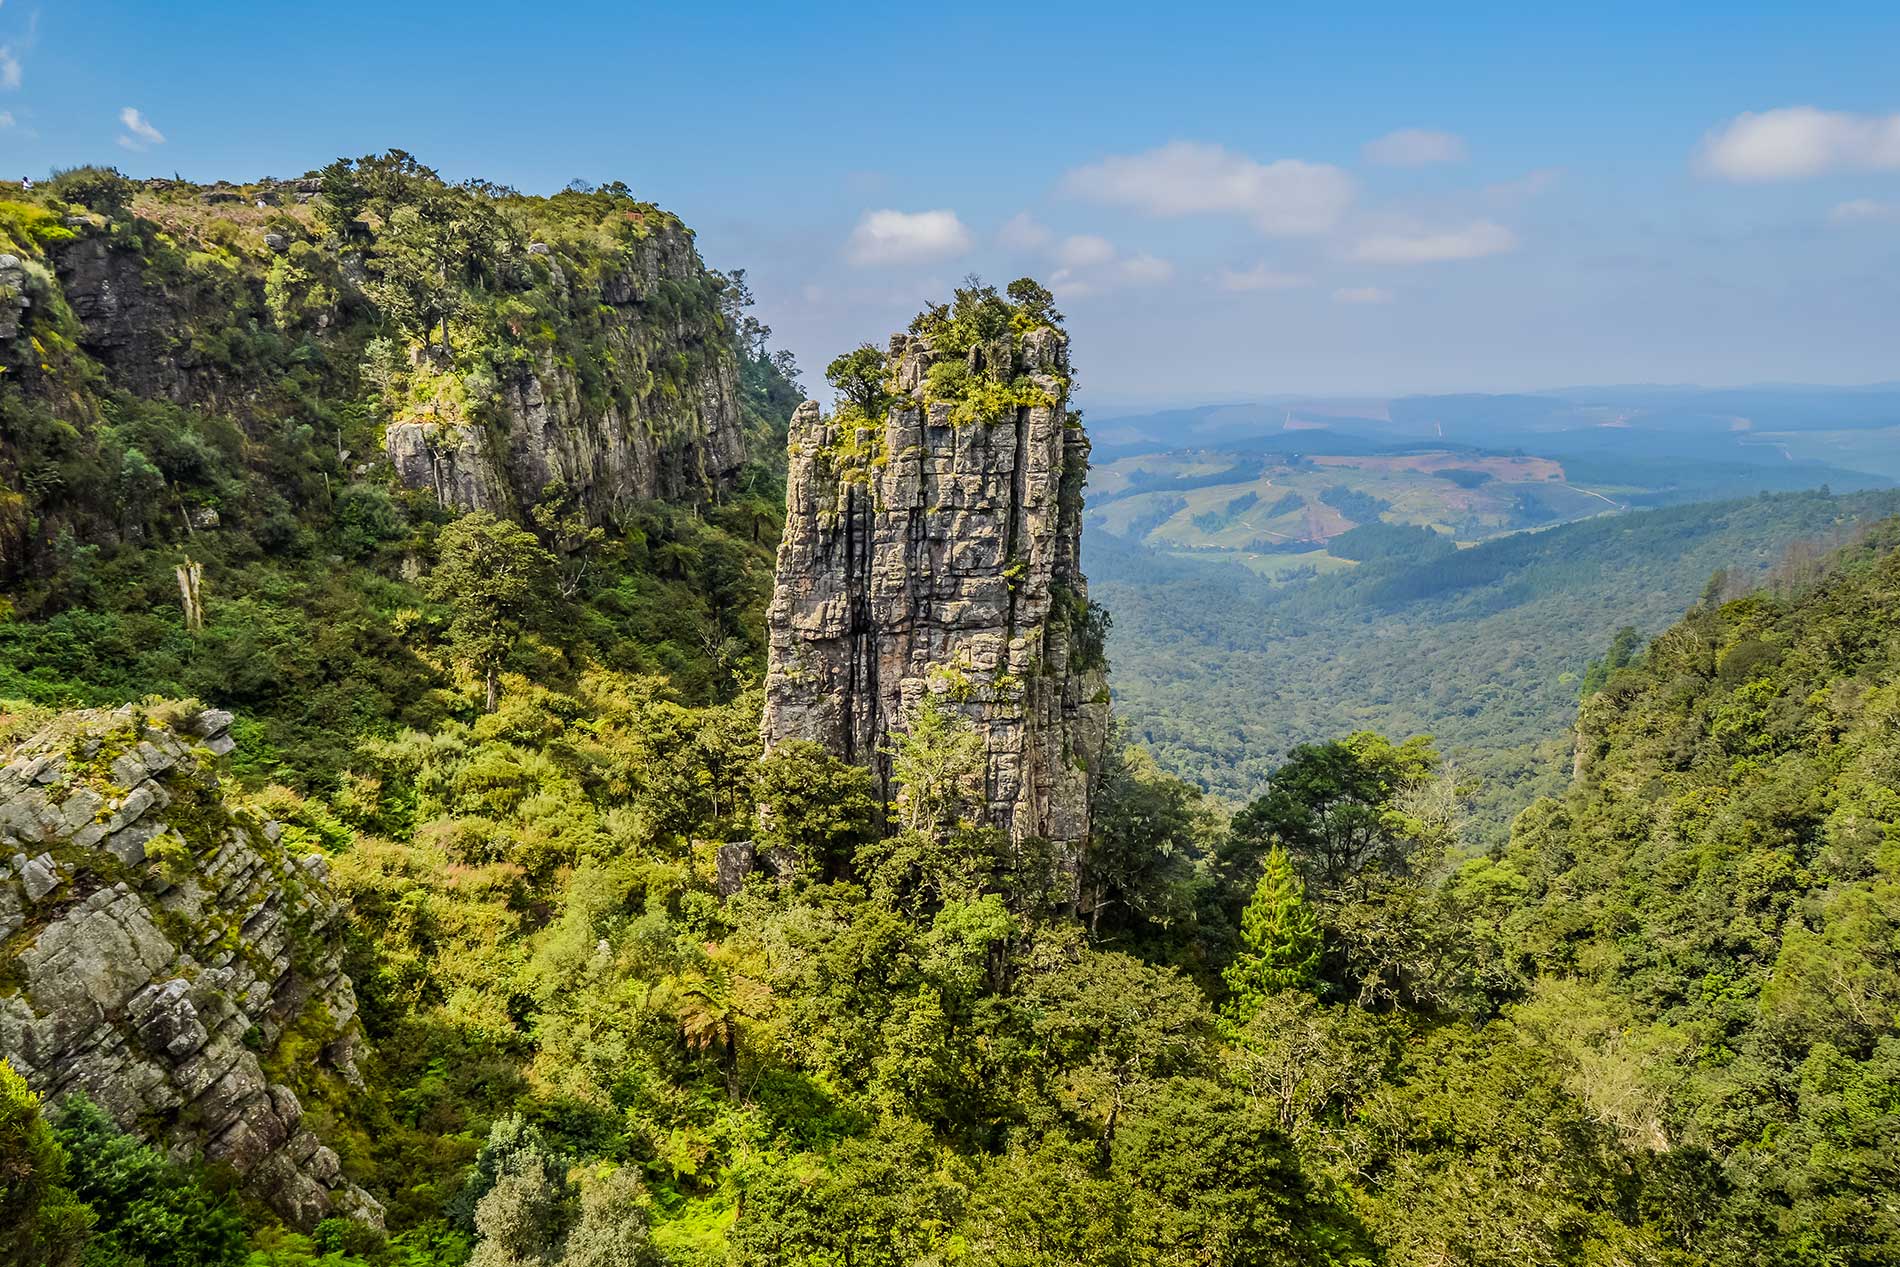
pixel 177 357
pixel 932 544
pixel 164 953
pixel 673 433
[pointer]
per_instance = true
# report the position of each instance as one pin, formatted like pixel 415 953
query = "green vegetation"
pixel 1355 1021
pixel 1220 674
pixel 1297 494
pixel 977 369
pixel 41 1220
pixel 236 424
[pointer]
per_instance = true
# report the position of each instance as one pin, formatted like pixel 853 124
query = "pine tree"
pixel 1280 938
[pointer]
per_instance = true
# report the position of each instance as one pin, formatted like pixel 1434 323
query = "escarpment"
pixel 165 953
pixel 180 355
pixel 654 413
pixel 933 546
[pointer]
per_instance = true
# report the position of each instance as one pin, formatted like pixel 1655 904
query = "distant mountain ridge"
pixel 1853 428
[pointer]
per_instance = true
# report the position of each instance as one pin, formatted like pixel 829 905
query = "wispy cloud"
pixel 1362 295
pixel 1146 270
pixel 6 118
pixel 1259 277
pixel 1800 141
pixel 13 50
pixel 1525 187
pixel 1286 197
pixel 1863 211
pixel 1415 147
pixel 1090 265
pixel 1433 246
pixel 139 132
pixel 1023 232
pixel 901 237
pixel 1083 250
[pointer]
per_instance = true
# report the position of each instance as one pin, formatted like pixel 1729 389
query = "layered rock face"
pixel 924 554
pixel 157 948
pixel 678 441
pixel 672 431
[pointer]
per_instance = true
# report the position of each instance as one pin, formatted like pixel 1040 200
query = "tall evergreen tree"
pixel 1281 939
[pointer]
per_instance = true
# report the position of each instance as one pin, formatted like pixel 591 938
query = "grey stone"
pixel 143 993
pixel 128 844
pixel 40 876
pixel 609 455
pixel 732 864
pixel 210 722
pixel 958 551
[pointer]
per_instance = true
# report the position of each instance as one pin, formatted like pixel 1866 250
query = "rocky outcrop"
pixel 160 949
pixel 925 554
pixel 676 436
pixel 135 329
pixel 14 301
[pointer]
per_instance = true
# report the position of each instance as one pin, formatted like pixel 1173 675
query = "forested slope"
pixel 207 374
pixel 1719 895
pixel 1219 675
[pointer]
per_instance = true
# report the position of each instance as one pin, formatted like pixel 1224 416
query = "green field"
pixel 1274 514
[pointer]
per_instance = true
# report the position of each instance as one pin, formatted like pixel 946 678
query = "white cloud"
pixel 1286 197
pixel 1431 246
pixel 6 118
pixel 1362 295
pixel 1145 270
pixel 1090 266
pixel 9 67
pixel 897 237
pixel 1863 210
pixel 139 131
pixel 1799 141
pixel 1415 147
pixel 1259 277
pixel 1083 250
pixel 1023 232
pixel 1525 187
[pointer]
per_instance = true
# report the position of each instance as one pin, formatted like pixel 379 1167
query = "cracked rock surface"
pixel 678 445
pixel 157 945
pixel 926 555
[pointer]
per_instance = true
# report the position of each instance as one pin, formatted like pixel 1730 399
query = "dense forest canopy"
pixel 1219 673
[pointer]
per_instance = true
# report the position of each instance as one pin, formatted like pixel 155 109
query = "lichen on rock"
pixel 156 943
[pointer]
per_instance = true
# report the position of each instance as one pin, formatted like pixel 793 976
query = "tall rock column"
pixel 936 548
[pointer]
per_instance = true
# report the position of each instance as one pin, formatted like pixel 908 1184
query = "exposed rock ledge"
pixel 155 943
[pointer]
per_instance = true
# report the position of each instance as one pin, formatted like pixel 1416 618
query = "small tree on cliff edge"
pixel 1280 940
pixel 859 378
pixel 490 573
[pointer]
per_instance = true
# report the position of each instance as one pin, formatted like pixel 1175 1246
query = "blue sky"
pixel 1232 200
